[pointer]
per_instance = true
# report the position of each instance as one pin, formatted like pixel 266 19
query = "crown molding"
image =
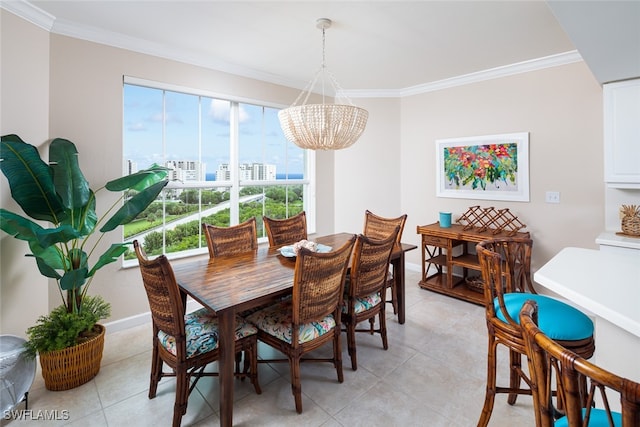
pixel 493 73
pixel 29 12
pixel 37 16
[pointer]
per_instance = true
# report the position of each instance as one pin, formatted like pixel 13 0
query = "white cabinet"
pixel 613 242
pixel 622 134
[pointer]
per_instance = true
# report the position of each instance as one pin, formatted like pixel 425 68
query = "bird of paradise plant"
pixel 58 193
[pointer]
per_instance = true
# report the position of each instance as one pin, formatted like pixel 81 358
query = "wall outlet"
pixel 552 197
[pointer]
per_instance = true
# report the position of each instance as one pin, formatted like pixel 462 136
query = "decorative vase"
pixel 73 366
pixel 630 215
pixel 631 225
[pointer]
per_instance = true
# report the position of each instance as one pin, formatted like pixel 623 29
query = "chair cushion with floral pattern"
pixel 362 304
pixel 276 321
pixel 201 327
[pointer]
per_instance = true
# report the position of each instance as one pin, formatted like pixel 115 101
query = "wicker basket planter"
pixel 73 366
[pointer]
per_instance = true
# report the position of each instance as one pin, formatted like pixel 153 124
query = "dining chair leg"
pixel 246 365
pixel 156 372
pixel 238 359
pixel 490 393
pixel 337 353
pixel 383 329
pixel 253 374
pixel 182 396
pixel 394 295
pixel 351 344
pixel 296 387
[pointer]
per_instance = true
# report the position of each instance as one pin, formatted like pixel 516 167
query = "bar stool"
pixel 506 273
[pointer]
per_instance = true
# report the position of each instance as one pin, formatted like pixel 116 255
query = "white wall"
pixel 367 174
pixel 560 107
pixel 24 109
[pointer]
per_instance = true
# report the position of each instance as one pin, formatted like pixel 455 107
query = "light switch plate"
pixel 552 197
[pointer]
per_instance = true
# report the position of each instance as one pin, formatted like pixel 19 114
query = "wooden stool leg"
pixel 490 393
pixel 514 375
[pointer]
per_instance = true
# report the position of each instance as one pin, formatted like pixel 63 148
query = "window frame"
pixel 235 183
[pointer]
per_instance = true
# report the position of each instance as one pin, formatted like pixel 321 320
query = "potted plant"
pixel 59 194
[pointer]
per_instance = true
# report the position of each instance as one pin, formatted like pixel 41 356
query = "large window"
pixel 228 161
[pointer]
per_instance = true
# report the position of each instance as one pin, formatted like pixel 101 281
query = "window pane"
pixel 288 157
pixel 215 137
pixel 283 201
pixel 262 142
pixel 250 137
pixel 182 138
pixel 215 207
pixel 143 122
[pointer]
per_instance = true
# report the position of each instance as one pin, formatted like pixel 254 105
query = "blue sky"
pixel 260 136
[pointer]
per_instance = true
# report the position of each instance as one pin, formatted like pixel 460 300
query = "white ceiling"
pixel 372 45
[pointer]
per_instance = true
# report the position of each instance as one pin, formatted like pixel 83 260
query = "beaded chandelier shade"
pixel 323 126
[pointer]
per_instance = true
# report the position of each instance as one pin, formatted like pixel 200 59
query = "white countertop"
pixel 604 283
pixel 610 238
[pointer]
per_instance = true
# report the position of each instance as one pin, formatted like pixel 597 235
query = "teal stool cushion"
pixel 558 320
pixel 597 418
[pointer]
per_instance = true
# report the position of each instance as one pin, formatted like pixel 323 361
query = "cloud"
pixel 220 111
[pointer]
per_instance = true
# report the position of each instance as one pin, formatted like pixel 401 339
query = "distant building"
pixel 186 170
pixel 223 173
pixel 248 172
pixel 132 167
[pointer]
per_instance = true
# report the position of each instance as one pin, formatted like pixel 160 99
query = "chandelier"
pixel 323 126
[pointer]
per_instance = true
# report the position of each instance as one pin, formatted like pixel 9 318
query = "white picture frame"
pixel 489 167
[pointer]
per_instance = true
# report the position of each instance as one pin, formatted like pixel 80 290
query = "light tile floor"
pixel 433 374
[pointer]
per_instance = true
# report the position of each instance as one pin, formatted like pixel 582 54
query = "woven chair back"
pixel 378 227
pixel 233 240
pixel 506 268
pixel 550 362
pixel 286 231
pixel 319 283
pixel 163 294
pixel 370 264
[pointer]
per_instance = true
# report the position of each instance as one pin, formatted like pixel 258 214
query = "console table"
pixel 447 249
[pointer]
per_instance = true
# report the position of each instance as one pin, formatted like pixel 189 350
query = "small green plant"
pixel 60 329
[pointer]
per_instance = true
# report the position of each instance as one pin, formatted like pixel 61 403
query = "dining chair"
pixel 186 342
pixel 506 274
pixel 365 289
pixel 232 240
pixel 379 227
pixel 286 231
pixel 311 318
pixel 550 362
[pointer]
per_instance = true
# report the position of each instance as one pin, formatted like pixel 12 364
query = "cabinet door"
pixel 622 134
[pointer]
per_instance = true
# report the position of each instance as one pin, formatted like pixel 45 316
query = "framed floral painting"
pixel 491 167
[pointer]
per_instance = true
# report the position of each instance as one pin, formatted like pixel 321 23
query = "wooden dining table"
pixel 228 285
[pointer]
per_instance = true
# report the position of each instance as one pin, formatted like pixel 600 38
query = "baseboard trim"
pixel 140 319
